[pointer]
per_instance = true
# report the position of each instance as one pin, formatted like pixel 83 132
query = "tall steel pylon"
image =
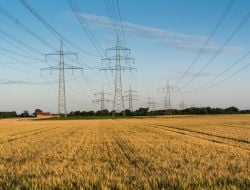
pixel 131 97
pixel 102 98
pixel 118 103
pixel 168 89
pixel 62 108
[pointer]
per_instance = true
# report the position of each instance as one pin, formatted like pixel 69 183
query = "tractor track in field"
pixel 67 135
pixel 134 159
pixel 58 140
pixel 217 138
pixel 196 133
pixel 24 132
pixel 105 142
pixel 207 134
pixel 35 133
pixel 75 150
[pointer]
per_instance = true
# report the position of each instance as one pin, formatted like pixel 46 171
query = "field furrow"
pixel 205 136
pixel 145 153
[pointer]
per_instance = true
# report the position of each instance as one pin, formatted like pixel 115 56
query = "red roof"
pixel 44 113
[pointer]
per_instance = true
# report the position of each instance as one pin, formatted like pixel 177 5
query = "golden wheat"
pixel 208 152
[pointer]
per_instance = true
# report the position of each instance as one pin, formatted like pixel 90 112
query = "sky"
pixel 200 47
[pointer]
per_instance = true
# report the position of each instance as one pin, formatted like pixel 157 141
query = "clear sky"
pixel 164 36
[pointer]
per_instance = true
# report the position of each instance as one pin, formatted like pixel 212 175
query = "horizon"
pixel 164 38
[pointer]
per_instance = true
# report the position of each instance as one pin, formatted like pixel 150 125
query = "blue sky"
pixel 164 37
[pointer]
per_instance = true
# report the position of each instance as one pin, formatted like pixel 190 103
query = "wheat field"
pixel 178 152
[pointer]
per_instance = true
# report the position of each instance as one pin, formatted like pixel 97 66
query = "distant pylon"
pixel 62 108
pixel 131 96
pixel 151 104
pixel 102 99
pixel 182 105
pixel 168 89
pixel 118 103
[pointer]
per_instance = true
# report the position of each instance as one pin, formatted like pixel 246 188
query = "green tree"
pixel 37 111
pixel 25 114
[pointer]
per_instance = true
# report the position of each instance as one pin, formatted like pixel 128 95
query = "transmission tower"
pixel 102 99
pixel 182 105
pixel 62 110
pixel 131 96
pixel 168 89
pixel 151 104
pixel 118 58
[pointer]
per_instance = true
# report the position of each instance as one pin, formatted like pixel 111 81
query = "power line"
pixel 17 69
pixel 112 22
pixel 13 43
pixel 168 89
pixel 235 31
pixel 112 9
pixel 9 82
pixel 19 54
pixel 102 99
pixel 182 105
pixel 121 22
pixel 81 88
pixel 17 47
pixel 53 87
pixel 25 63
pixel 76 9
pixel 86 8
pixel 111 17
pixel 222 80
pixel 223 72
pixel 215 29
pixel 51 28
pixel 131 97
pixel 14 39
pixel 115 17
pixel 151 104
pixel 24 27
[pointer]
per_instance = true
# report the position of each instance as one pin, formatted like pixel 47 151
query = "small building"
pixel 46 115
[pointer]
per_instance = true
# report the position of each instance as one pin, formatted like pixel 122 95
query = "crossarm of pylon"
pixel 58 68
pixel 120 57
pixel 122 68
pixel 118 48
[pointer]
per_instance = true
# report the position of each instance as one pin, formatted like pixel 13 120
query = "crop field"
pixel 174 152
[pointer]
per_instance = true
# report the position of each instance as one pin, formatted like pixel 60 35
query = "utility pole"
pixel 131 96
pixel 62 109
pixel 102 99
pixel 118 103
pixel 168 89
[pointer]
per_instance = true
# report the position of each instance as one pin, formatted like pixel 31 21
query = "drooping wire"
pixel 233 34
pixel 222 80
pixel 24 27
pixel 213 32
pixel 51 28
pixel 221 73
pixel 76 9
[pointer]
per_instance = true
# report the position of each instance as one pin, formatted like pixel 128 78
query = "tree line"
pixel 138 112
pixel 146 112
